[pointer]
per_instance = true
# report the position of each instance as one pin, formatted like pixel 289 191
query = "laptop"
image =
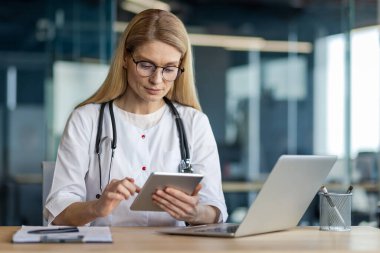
pixel 281 203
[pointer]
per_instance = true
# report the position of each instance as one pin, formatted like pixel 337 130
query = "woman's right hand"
pixel 113 194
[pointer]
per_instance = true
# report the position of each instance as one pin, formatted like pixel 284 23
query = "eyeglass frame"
pixel 179 72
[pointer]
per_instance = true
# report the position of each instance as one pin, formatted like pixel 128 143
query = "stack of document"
pixel 61 234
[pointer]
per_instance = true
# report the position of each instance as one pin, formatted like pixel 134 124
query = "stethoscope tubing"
pixel 184 166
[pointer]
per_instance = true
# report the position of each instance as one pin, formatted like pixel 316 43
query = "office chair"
pixel 47 179
pixel 366 164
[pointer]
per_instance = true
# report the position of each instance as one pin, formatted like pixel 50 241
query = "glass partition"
pixel 274 77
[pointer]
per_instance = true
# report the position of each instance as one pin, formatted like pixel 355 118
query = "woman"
pixel 151 69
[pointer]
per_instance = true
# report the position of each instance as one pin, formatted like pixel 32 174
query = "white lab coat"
pixel 138 153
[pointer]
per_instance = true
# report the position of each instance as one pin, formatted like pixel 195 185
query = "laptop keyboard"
pixel 228 229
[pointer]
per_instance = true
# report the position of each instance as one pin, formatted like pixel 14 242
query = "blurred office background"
pixel 274 76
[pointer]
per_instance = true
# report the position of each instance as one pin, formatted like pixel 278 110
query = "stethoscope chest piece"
pixel 185 166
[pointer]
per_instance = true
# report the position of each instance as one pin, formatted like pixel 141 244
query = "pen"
pixel 331 203
pixel 54 230
pixel 349 190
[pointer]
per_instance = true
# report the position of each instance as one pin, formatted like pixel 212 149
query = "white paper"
pixel 89 234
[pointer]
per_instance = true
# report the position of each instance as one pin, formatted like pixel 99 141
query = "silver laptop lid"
pixel 286 194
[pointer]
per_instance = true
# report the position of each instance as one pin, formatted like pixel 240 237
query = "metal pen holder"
pixel 335 211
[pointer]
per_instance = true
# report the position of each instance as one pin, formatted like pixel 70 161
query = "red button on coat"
pixel 143 136
pixel 143 168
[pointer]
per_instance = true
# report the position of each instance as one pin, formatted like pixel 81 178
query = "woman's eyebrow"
pixel 172 63
pixel 142 58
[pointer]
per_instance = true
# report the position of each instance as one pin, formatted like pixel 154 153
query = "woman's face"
pixel 149 90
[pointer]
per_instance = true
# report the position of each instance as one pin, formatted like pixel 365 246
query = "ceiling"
pixel 34 25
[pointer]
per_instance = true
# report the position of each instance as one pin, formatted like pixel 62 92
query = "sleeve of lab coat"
pixel 72 163
pixel 205 160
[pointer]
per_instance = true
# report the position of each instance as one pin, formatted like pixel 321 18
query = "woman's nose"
pixel 156 77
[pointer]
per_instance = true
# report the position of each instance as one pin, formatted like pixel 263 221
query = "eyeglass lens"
pixel 146 69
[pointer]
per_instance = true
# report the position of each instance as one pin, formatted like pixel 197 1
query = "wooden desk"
pixel 144 240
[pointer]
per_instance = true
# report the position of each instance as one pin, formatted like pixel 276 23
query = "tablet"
pixel 185 182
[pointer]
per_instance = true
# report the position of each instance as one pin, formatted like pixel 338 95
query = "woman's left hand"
pixel 178 204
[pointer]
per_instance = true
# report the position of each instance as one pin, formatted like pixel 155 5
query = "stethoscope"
pixel 183 167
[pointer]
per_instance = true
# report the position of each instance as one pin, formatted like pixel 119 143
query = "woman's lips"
pixel 153 91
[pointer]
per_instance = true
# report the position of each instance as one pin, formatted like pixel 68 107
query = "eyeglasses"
pixel 147 69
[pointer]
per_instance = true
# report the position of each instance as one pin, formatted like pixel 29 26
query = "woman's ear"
pixel 125 62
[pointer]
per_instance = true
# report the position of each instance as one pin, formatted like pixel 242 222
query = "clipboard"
pixel 185 182
pixel 83 235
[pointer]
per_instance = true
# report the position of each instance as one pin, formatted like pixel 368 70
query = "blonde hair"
pixel 151 25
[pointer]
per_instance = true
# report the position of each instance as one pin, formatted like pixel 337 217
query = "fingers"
pixel 173 195
pixel 196 190
pixel 137 188
pixel 178 204
pixel 125 188
pixel 173 211
pixel 113 194
pixel 130 179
